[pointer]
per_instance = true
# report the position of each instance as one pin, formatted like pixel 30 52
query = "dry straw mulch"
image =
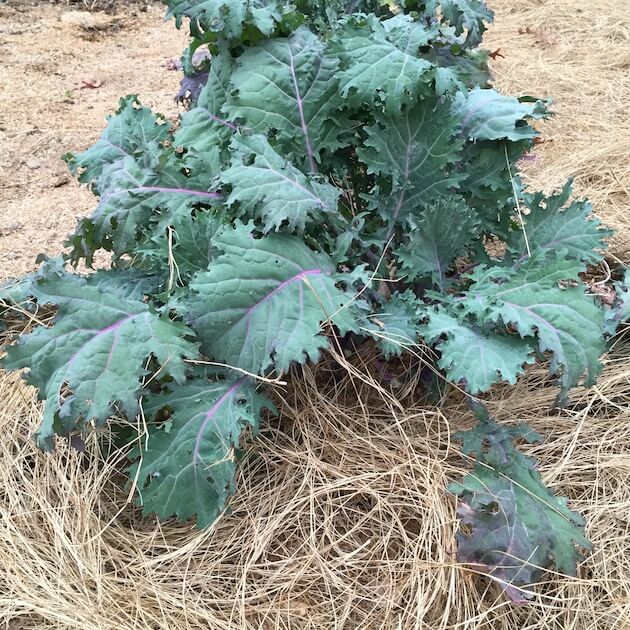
pixel 342 519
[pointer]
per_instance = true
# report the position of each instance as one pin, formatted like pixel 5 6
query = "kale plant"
pixel 345 172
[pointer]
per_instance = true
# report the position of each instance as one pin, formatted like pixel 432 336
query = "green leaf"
pixel 328 15
pixel 262 302
pixel 491 177
pixel 444 231
pixel 231 19
pixel 395 325
pixel 187 467
pixel 472 356
pixel 128 132
pixel 298 84
pixel 552 226
pixel 127 284
pixel 414 152
pixel 566 321
pixel 457 69
pixel 488 115
pixel 379 61
pixel 184 245
pixel 90 362
pixel 133 191
pixel 517 526
pixel 137 177
pixel 264 182
pixel 205 127
pixel 466 16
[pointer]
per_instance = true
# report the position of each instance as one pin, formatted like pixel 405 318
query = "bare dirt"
pixel 52 57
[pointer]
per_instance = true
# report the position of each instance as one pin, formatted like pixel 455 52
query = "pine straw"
pixel 342 519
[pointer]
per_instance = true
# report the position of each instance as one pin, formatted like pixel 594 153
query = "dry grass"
pixel 578 54
pixel 342 519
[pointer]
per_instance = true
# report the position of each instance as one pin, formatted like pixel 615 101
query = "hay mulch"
pixel 342 519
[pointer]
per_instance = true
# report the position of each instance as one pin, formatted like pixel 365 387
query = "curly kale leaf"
pixel 490 179
pixel 432 249
pixel 565 320
pixel 235 20
pixel 132 193
pixel 467 17
pixel 204 127
pixel 494 326
pixel 488 115
pixel 412 154
pixel 298 82
pixel 551 226
pixel 187 465
pixel 264 182
pixel 475 356
pixel 381 62
pixel 90 362
pixel 184 246
pixel 137 181
pixel 514 527
pixel 128 132
pixel 328 15
pixel 395 325
pixel 458 71
pixel 262 303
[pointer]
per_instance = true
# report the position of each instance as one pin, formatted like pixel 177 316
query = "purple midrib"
pixel 221 121
pixel 97 333
pixel 300 106
pixel 211 414
pixel 285 283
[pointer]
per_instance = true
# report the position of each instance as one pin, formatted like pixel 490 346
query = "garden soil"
pixel 342 519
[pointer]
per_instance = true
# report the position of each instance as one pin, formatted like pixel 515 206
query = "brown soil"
pixel 49 51
pixel 46 109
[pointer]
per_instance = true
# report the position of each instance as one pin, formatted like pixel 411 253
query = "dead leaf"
pixel 606 294
pixel 92 85
pixel 495 54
